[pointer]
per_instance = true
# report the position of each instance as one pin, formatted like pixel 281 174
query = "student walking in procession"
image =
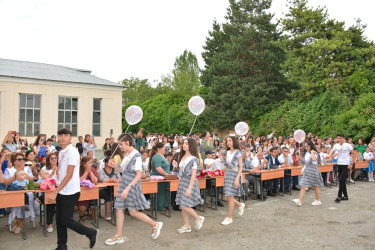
pixel 67 193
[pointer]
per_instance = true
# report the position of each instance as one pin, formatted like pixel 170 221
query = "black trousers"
pixel 64 219
pixel 51 208
pixel 343 174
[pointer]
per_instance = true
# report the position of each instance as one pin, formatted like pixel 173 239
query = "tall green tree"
pixel 184 78
pixel 136 90
pixel 242 64
pixel 323 55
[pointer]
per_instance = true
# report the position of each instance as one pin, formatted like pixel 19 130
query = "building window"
pixel 68 114
pixel 29 119
pixel 97 103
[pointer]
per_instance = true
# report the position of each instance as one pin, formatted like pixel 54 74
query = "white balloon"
pixel 196 105
pixel 133 115
pixel 299 135
pixel 241 128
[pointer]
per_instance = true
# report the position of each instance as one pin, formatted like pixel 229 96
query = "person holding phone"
pixel 8 142
pixel 40 149
pixel 89 145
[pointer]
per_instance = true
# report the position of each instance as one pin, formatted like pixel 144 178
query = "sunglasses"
pixel 21 159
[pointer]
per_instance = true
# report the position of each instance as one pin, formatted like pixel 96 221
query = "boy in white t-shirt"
pixel 368 156
pixel 342 150
pixel 209 160
pixel 68 191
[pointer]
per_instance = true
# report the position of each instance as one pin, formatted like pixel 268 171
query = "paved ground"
pixel 274 224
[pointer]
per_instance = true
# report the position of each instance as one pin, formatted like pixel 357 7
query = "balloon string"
pixel 118 144
pixel 193 125
pixel 127 129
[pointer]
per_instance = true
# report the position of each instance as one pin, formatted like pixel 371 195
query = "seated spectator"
pixel 273 163
pixel 39 146
pixel 86 172
pixel 107 175
pixel 286 160
pixel 18 161
pixel 258 163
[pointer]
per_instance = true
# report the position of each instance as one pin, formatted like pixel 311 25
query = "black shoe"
pixel 60 247
pixel 287 190
pixel 259 197
pixel 94 237
pixel 344 198
pixel 176 208
pixel 219 204
pixel 269 193
pixel 295 188
pixel 338 200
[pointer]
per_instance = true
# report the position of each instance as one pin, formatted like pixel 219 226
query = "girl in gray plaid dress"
pixel 311 176
pixel 233 178
pixel 188 193
pixel 130 193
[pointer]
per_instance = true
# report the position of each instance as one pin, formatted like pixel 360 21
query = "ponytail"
pixel 153 152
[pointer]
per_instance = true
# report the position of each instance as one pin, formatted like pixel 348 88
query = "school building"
pixel 42 98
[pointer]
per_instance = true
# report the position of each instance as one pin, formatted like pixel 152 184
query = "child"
pixel 188 193
pixel 45 182
pixel 233 179
pixel 145 160
pixel 368 156
pixel 20 183
pixel 130 195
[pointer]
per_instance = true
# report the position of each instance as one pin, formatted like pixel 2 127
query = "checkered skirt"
pixel 311 175
pixel 230 177
pixel 135 198
pixel 195 197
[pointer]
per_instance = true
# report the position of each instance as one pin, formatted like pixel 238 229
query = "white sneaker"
pixel 108 218
pixel 351 181
pixel 241 209
pixel 227 221
pixel 199 223
pixel 50 229
pixel 184 229
pixel 115 240
pixel 316 203
pixel 298 202
pixel 156 230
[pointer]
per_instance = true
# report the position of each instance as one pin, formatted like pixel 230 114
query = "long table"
pixel 11 199
pixel 271 174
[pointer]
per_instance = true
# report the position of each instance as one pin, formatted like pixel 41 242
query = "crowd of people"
pixel 135 156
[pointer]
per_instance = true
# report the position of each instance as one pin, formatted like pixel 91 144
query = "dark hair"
pixel 50 139
pixel 28 152
pixel 235 142
pixel 312 147
pixel 14 157
pixel 86 136
pixel 118 150
pixel 273 149
pixel 153 152
pixel 48 165
pixel 341 135
pixel 64 131
pixel 168 154
pixel 84 160
pixel 216 141
pixel 108 152
pixel 192 149
pixel 126 138
pixel 36 143
pixel 106 160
